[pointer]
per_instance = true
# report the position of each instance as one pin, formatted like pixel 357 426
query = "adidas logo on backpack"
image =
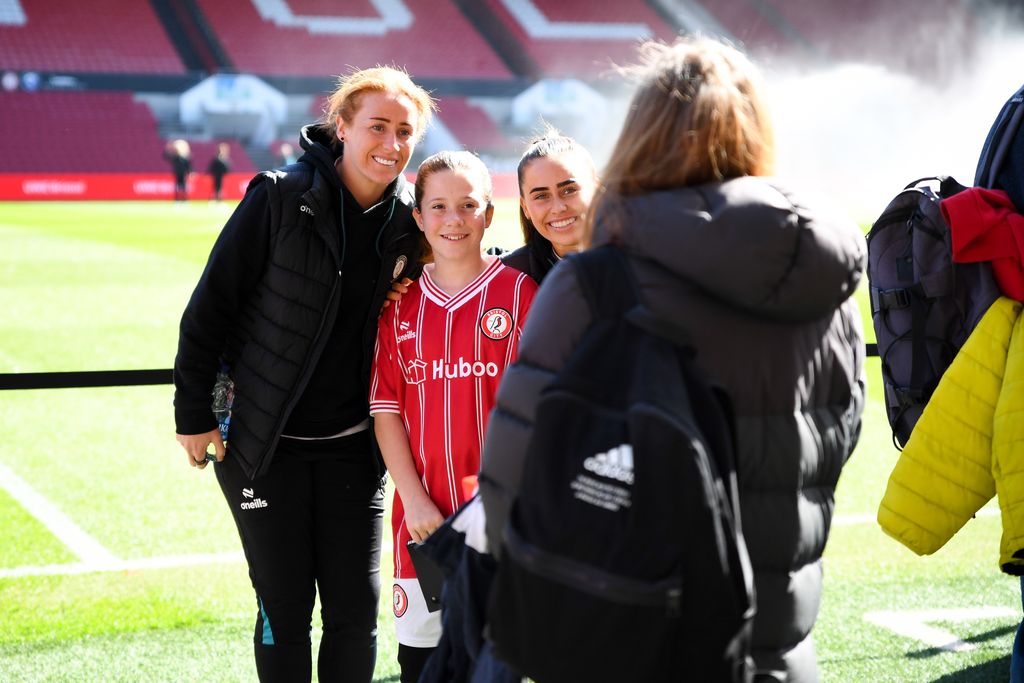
pixel 614 464
pixel 622 559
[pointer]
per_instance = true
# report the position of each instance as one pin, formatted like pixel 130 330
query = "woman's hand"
pixel 196 446
pixel 399 288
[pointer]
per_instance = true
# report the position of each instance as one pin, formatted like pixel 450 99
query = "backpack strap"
pixel 606 280
pixel 611 290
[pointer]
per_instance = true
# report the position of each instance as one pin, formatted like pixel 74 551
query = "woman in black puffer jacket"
pixel 762 283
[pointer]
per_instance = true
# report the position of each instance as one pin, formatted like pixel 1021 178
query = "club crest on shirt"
pixel 399 267
pixel 496 323
pixel 400 601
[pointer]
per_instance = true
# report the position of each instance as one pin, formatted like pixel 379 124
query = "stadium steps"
pixel 502 42
pixel 196 44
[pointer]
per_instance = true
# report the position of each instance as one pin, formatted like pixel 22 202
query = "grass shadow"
pixel 993 671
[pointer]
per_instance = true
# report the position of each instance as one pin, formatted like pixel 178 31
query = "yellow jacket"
pixel 967 445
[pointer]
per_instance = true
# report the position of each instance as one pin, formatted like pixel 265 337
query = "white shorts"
pixel 415 626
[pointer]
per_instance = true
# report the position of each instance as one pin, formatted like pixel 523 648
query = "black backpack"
pixel 622 557
pixel 923 305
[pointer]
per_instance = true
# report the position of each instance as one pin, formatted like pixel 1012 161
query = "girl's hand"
pixel 422 517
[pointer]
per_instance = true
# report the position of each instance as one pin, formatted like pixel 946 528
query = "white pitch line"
pixel 60 525
pixel 115 565
pixel 913 624
pixel 166 562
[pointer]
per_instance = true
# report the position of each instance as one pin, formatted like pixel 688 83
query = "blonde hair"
pixel 698 116
pixel 549 143
pixel 344 101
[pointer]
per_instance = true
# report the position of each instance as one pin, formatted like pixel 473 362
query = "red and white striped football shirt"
pixel 438 362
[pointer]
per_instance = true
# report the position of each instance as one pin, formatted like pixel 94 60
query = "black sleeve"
pixel 236 264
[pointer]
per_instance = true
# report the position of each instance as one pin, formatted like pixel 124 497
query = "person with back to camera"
pixel 283 322
pixel 441 351
pixel 762 283
pixel 218 168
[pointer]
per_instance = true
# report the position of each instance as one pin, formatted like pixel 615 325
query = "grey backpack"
pixel 923 305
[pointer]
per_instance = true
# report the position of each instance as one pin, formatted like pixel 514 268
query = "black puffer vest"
pixel 283 326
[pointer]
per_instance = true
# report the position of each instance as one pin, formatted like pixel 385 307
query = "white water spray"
pixel 856 134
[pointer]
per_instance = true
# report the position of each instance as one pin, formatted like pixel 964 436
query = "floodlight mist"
pixel 855 134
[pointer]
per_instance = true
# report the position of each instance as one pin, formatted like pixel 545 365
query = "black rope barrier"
pixel 126 378
pixel 89 378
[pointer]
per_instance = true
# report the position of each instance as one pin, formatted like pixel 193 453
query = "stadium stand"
pixel 103 78
pixel 76 128
pixel 431 40
pixel 107 36
pixel 474 128
pixel 577 38
pixel 754 25
pixel 909 35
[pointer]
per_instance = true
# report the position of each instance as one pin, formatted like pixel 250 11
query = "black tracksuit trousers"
pixel 313 522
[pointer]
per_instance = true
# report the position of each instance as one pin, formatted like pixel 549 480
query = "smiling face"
pixel 555 194
pixel 453 214
pixel 378 141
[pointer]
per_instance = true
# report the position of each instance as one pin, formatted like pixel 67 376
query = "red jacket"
pixel 985 226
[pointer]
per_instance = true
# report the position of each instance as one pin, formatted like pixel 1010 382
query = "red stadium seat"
pixel 431 40
pixel 108 36
pixel 579 38
pixel 78 130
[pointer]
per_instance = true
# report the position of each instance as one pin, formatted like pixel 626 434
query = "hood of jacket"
pixel 746 241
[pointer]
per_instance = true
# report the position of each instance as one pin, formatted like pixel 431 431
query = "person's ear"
pixel 339 129
pixel 419 218
pixel 488 215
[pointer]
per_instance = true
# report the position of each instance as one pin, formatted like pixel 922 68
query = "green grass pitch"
pixel 95 286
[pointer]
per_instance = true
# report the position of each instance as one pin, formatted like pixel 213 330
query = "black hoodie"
pixel 335 397
pixel 288 304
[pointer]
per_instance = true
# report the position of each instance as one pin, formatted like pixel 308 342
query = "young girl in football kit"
pixel 441 351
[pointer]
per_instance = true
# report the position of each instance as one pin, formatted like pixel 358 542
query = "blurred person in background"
pixel 761 281
pixel 281 327
pixel 219 167
pixel 286 154
pixel 179 154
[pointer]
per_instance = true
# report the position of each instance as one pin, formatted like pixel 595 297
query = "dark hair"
pixel 549 143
